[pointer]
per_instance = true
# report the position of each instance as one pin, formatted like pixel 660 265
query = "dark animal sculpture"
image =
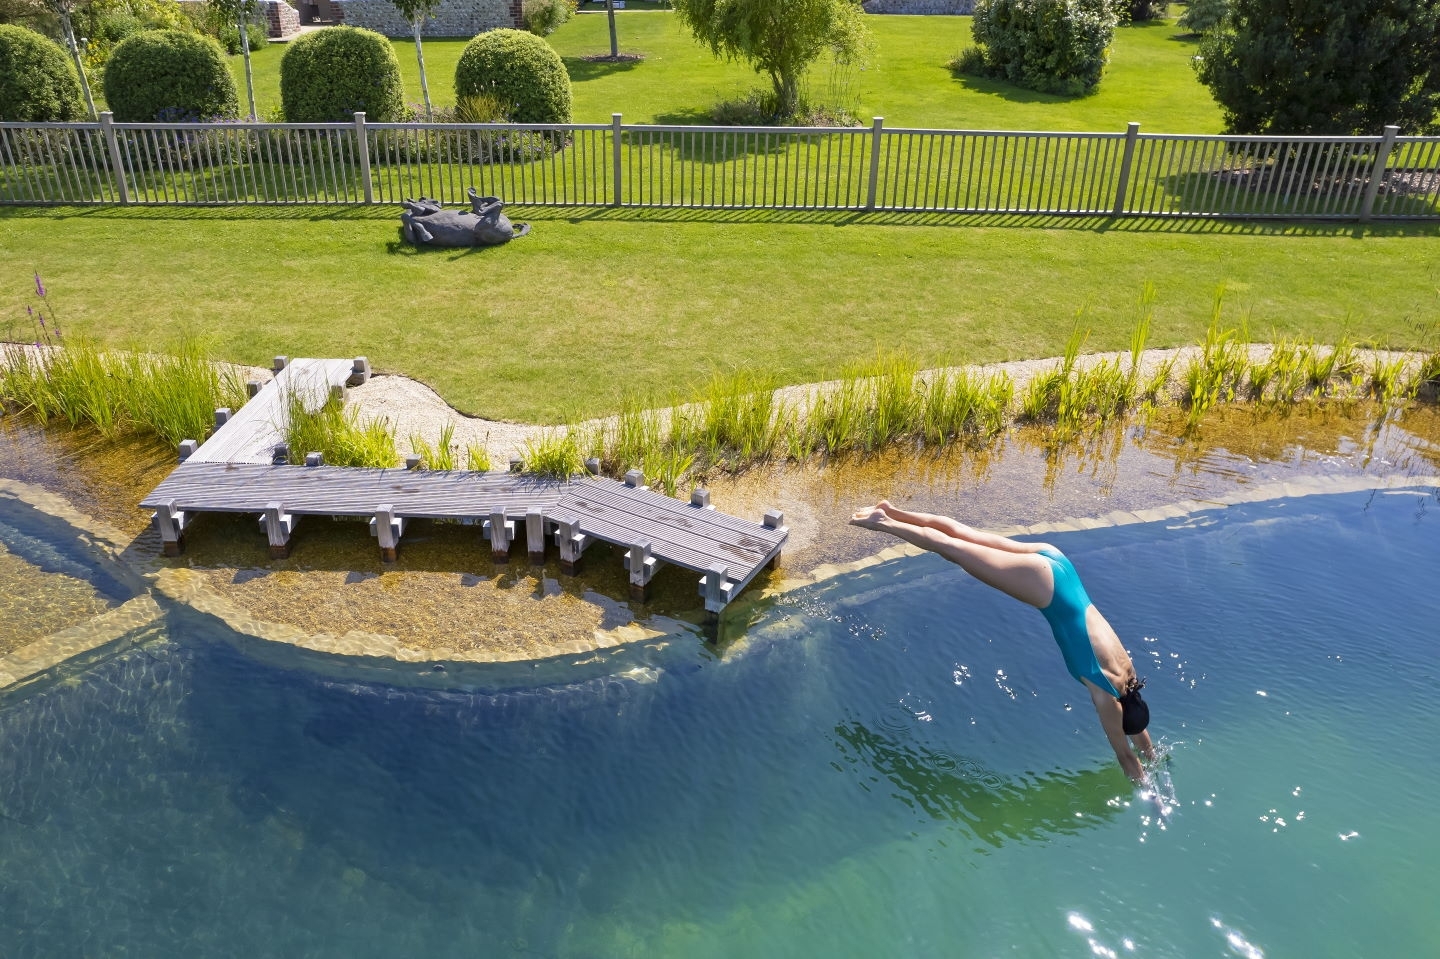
pixel 426 222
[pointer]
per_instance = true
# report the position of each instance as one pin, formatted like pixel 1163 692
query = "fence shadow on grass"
pixel 541 215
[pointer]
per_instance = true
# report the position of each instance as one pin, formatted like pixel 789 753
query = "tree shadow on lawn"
pixel 988 86
pixel 584 69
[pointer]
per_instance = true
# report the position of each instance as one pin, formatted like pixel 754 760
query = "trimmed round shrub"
pixel 328 76
pixel 1054 46
pixel 37 81
pixel 170 77
pixel 520 70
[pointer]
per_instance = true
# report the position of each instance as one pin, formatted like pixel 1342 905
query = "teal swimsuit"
pixel 1066 615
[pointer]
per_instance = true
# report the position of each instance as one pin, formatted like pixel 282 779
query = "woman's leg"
pixel 958 530
pixel 1026 576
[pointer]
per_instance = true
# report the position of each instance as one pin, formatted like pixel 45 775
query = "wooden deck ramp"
pixel 235 472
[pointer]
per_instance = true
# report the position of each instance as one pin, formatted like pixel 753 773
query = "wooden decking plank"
pixel 333 490
pixel 654 507
pixel 664 550
pixel 690 548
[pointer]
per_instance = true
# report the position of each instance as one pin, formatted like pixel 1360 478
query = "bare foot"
pixel 872 518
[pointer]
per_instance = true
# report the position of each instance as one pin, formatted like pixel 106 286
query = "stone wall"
pixel 952 7
pixel 452 18
pixel 281 19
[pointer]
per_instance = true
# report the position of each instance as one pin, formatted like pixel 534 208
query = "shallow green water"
pixel 892 767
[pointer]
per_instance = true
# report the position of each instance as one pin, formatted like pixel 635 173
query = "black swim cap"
pixel 1134 714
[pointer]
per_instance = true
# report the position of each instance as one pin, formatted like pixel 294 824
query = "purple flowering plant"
pixel 46 334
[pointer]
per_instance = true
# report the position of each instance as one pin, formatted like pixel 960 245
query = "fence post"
pixel 1132 133
pixel 1377 172
pixel 615 154
pixel 107 129
pixel 877 125
pixel 362 144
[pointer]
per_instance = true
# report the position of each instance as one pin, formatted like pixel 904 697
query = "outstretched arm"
pixel 1112 721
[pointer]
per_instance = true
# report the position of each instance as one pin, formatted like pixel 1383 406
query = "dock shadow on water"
pixel 890 758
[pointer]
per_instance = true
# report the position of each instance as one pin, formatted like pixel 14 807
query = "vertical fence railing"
pixel 799 168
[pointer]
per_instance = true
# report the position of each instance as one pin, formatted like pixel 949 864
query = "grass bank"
pixel 597 305
pixel 1149 79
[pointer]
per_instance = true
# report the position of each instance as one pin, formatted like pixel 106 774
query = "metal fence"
pixel 783 168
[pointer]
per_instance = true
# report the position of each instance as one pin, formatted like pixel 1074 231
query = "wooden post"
pixel 360 372
pixel 314 459
pixel 362 151
pixel 278 526
pixel 500 531
pixel 642 566
pixel 700 498
pixel 279 363
pixel 117 162
pixel 714 588
pixel 592 466
pixel 280 454
pixel 774 519
pixel 170 521
pixel 572 544
pixel 616 155
pixel 535 535
pixel 1377 172
pixel 222 416
pixel 187 449
pixel 635 478
pixel 1127 160
pixel 877 129
pixel 412 462
pixel 252 389
pixel 516 464
pixel 387 528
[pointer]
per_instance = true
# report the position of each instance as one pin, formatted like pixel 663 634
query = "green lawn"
pixel 1149 79
pixel 595 303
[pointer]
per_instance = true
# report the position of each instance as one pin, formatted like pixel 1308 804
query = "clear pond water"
pixel 894 764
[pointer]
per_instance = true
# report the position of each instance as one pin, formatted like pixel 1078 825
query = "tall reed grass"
pixel 171 395
pixel 337 433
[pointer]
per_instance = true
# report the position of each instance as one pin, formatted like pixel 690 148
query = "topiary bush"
pixel 37 82
pixel 519 69
pixel 329 75
pixel 1054 46
pixel 169 76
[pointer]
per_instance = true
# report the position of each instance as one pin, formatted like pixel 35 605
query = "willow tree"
pixel 416 12
pixel 779 38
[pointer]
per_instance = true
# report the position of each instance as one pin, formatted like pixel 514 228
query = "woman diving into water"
pixel 1040 575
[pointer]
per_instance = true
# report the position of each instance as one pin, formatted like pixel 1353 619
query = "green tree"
pixel 241 11
pixel 1202 16
pixel 415 11
pixel 1337 67
pixel 1054 46
pixel 779 38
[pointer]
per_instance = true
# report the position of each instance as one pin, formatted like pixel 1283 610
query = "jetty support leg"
pixel 716 588
pixel 501 533
pixel 359 372
pixel 171 521
pixel 387 528
pixel 774 519
pixel 278 526
pixel 642 566
pixel 535 535
pixel 572 544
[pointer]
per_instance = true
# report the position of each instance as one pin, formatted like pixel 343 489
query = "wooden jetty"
pixel 241 469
